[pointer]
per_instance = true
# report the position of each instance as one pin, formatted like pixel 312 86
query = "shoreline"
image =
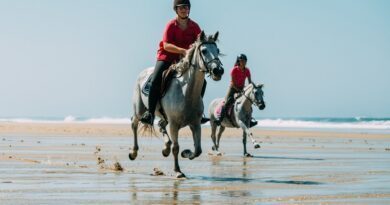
pixel 106 129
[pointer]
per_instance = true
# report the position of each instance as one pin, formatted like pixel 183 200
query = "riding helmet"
pixel 242 56
pixel 177 3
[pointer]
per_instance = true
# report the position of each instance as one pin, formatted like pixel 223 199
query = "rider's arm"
pixel 249 80
pixel 249 76
pixel 174 49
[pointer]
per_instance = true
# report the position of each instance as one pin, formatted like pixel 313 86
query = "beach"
pixel 87 163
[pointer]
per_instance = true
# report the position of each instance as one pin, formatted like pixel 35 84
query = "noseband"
pixel 207 64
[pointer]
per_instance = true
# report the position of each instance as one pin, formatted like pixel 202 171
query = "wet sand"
pixel 75 164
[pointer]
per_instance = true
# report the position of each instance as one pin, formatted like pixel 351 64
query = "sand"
pixel 78 163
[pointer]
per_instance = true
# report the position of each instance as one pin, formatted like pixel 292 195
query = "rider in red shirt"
pixel 239 74
pixel 178 36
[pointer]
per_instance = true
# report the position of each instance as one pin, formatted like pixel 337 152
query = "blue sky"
pixel 81 57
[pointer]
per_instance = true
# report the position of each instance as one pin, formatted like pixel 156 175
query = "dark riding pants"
pixel 154 94
pixel 229 99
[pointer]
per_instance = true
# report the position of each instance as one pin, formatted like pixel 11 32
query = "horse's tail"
pixel 148 130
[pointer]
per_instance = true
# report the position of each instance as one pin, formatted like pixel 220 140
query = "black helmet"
pixel 239 57
pixel 177 3
pixel 242 56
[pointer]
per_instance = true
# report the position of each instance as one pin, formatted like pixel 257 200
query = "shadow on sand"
pixel 293 158
pixel 294 182
pixel 223 179
pixel 239 179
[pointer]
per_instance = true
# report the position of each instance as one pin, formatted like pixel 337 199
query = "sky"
pixel 323 58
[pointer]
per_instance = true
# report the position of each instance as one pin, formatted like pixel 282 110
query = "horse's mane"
pixel 184 64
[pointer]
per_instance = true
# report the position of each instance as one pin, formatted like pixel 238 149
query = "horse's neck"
pixel 193 81
pixel 244 98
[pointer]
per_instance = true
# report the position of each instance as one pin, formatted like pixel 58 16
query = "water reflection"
pixel 244 168
pixel 133 190
pixel 177 190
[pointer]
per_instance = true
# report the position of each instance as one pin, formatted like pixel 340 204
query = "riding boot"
pixel 204 119
pixel 148 116
pixel 154 94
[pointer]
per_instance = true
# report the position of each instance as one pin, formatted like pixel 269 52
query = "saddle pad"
pixel 167 77
pixel 146 87
pixel 218 109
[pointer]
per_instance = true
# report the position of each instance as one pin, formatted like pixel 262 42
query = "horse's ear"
pixel 215 37
pixel 202 36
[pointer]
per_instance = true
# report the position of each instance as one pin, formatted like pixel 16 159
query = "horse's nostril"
pixel 217 71
pixel 262 106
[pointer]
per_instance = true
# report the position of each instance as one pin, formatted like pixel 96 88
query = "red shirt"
pixel 173 34
pixel 239 76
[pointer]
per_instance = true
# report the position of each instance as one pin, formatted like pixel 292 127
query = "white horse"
pixel 240 116
pixel 182 103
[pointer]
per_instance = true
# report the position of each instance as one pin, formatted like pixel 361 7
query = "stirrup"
pixel 147 118
pixel 204 120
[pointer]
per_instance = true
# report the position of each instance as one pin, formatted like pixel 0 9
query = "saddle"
pixel 229 112
pixel 167 77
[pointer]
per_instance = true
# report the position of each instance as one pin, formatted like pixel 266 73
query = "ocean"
pixel 350 124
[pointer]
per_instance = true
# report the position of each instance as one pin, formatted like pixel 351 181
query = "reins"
pixel 250 100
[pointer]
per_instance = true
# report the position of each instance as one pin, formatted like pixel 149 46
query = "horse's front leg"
pixel 244 136
pixel 174 132
pixel 167 140
pixel 134 126
pixel 256 145
pixel 196 134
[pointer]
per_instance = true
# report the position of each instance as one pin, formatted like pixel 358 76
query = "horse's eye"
pixel 204 51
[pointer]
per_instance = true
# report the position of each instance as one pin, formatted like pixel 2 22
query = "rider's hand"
pixel 183 52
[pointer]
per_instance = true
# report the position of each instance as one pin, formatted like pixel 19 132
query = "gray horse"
pixel 240 117
pixel 182 103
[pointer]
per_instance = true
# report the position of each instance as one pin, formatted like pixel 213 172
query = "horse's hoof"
pixel 186 153
pixel 180 175
pixel 257 146
pixel 132 156
pixel 248 155
pixel 213 148
pixel 166 152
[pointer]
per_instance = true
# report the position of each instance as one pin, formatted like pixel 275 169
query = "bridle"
pixel 253 102
pixel 206 64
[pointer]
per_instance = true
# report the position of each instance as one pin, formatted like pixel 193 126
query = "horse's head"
pixel 256 95
pixel 208 53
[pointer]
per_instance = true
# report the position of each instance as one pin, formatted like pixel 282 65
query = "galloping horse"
pixel 182 103
pixel 240 116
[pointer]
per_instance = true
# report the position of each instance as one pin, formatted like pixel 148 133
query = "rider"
pixel 178 36
pixel 238 74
